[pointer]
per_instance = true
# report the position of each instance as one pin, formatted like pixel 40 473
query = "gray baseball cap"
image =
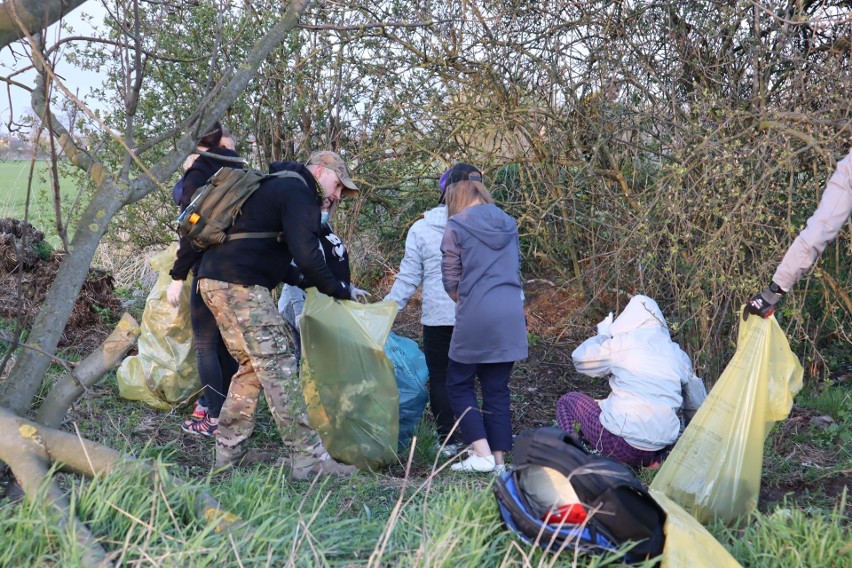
pixel 335 163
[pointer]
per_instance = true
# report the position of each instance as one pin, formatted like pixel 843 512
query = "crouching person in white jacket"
pixel 651 379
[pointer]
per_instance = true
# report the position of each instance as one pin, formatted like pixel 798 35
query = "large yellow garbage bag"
pixel 688 543
pixel 349 383
pixel 165 372
pixel 714 469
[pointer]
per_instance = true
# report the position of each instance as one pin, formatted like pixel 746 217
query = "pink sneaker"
pixel 199 413
pixel 203 427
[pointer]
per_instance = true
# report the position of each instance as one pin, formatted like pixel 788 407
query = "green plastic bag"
pixel 348 381
pixel 165 372
pixel 714 469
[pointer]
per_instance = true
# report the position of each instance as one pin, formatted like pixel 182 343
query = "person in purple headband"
pixel 481 271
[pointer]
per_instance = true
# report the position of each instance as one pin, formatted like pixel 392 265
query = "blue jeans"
pixel 215 364
pixel 494 421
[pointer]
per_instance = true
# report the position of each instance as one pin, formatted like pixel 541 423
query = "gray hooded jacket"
pixel 422 264
pixel 481 263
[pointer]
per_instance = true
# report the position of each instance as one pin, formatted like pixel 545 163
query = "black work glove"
pixel 763 303
pixel 343 291
pixel 295 277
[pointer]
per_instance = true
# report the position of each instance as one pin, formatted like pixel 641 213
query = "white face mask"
pixel 324 217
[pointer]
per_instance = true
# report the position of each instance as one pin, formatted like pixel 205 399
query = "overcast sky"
pixel 75 79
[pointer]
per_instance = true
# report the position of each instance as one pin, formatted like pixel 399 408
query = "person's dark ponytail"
pixel 213 136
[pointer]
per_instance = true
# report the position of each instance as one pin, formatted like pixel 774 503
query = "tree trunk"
pixel 27 374
pixel 33 15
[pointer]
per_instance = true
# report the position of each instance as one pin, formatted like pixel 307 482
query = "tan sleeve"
pixel 834 209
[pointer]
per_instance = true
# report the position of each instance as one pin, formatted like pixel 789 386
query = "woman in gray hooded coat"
pixel 481 272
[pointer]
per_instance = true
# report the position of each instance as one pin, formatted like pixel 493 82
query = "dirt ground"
pixel 557 322
pixel 28 268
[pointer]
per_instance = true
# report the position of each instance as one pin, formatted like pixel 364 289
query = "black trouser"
pixel 436 347
pixel 215 364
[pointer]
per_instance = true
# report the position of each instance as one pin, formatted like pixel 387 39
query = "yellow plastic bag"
pixel 687 542
pixel 714 470
pixel 349 383
pixel 165 372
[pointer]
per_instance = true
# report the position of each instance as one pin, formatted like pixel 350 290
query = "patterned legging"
pixel 578 408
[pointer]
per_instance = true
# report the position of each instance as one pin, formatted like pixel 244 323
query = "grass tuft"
pixel 793 537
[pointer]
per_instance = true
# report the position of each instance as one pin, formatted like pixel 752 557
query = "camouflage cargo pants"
pixel 252 329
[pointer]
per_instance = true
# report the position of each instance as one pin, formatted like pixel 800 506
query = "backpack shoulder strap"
pixel 268 234
pixel 289 174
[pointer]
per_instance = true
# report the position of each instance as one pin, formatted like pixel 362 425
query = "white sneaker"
pixel 482 464
pixel 499 469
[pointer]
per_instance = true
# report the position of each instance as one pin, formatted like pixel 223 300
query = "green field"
pixel 14 177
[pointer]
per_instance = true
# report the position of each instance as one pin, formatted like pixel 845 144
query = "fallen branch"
pixel 88 372
pixel 29 461
pixel 30 449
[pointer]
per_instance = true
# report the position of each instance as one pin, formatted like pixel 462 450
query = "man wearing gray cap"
pixel 235 280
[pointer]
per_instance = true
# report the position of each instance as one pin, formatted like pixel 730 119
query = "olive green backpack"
pixel 207 219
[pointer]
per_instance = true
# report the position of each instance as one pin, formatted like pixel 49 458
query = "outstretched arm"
pixel 410 273
pixel 833 211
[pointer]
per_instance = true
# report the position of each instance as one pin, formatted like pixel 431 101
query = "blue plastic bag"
pixel 409 365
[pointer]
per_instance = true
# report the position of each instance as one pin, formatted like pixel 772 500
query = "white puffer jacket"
pixel 422 264
pixel 648 372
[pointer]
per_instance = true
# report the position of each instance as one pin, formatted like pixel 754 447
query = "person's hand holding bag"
pixel 763 303
pixel 173 292
pixel 357 294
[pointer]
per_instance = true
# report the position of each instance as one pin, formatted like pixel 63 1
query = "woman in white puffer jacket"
pixel 651 379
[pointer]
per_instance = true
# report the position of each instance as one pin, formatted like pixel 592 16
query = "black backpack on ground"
pixel 619 508
pixel 207 220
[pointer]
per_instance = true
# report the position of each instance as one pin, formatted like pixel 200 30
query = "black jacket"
pixel 336 255
pixel 283 205
pixel 196 176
